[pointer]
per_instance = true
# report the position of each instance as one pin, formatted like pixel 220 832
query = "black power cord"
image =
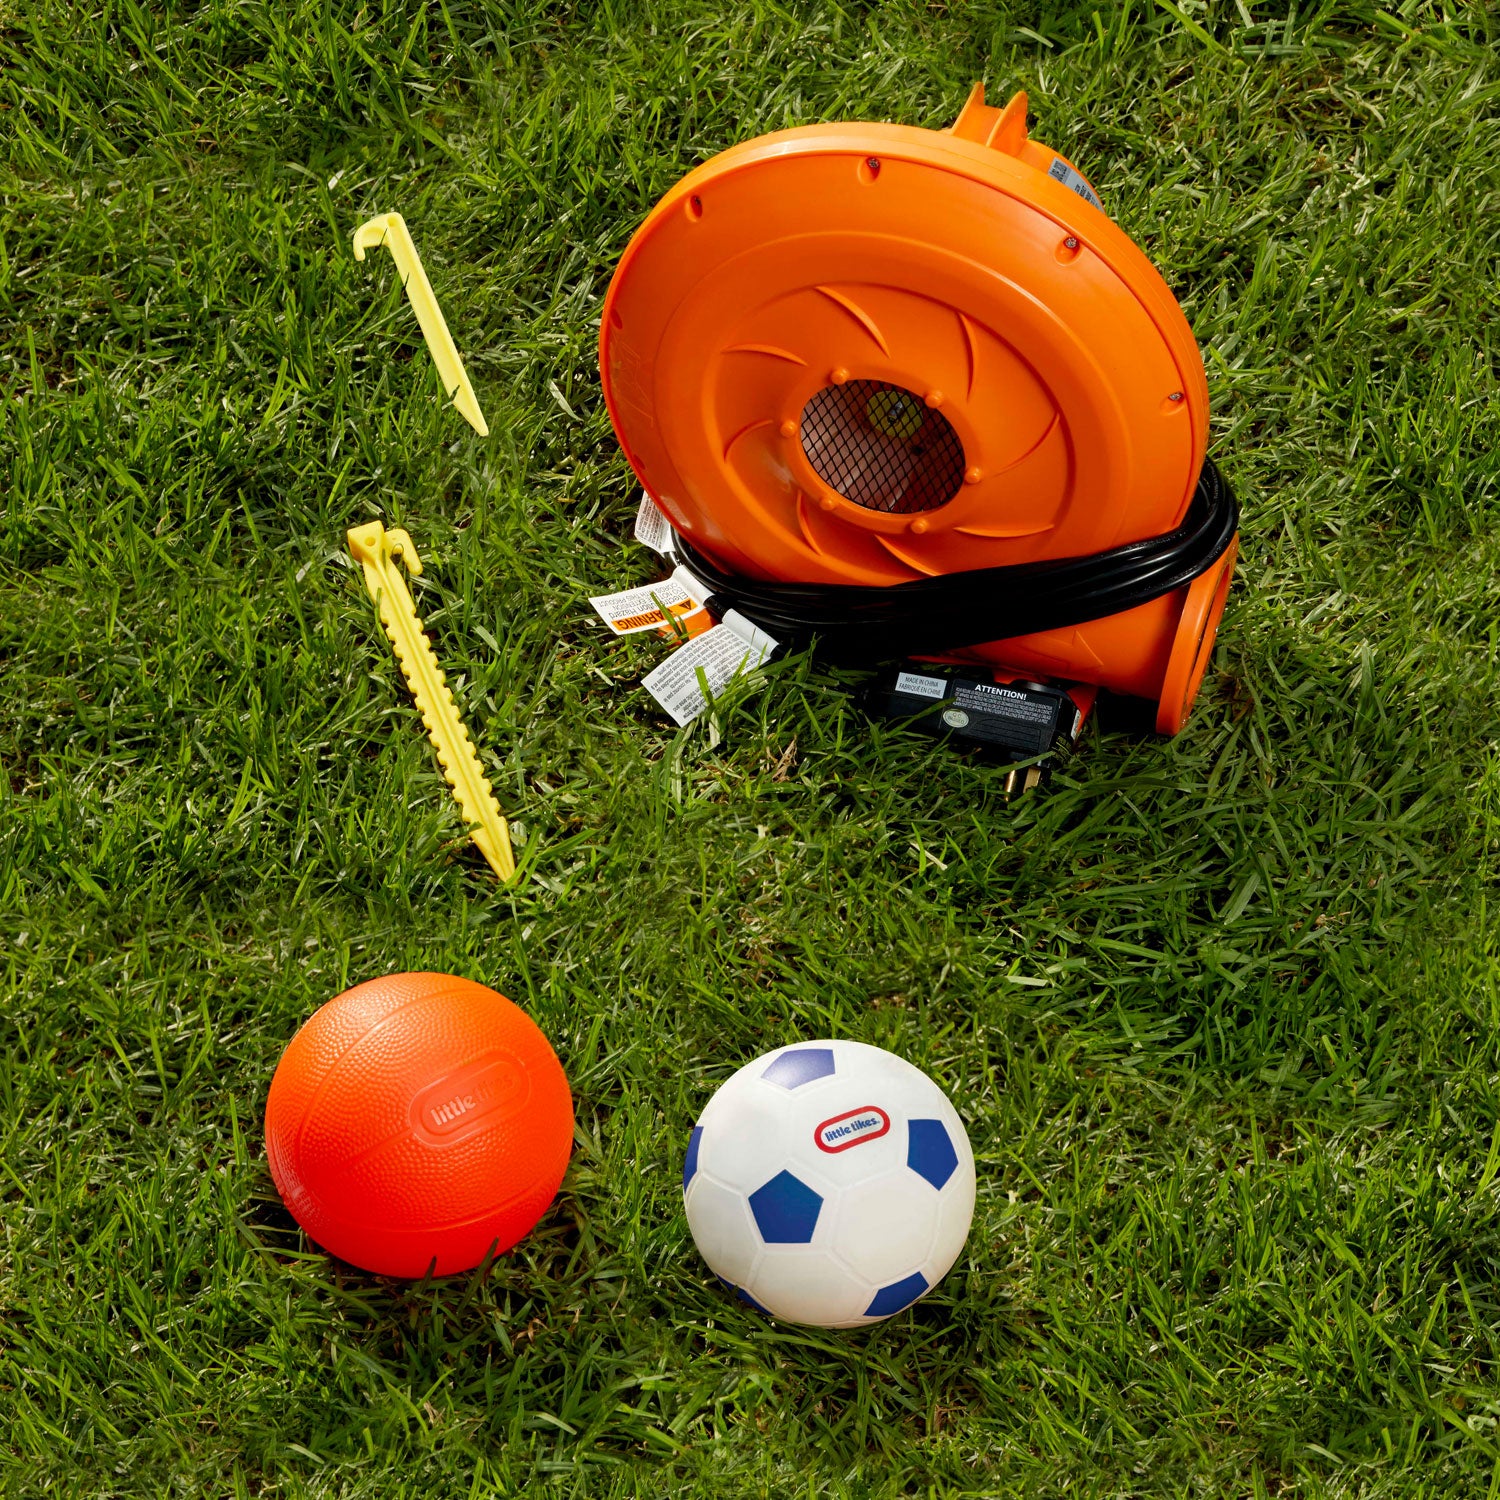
pixel 860 625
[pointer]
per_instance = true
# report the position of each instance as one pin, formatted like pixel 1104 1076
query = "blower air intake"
pixel 911 393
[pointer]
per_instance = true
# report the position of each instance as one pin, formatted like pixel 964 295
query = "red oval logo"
pixel 852 1128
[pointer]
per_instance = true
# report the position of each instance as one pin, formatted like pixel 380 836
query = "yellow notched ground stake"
pixel 390 230
pixel 376 548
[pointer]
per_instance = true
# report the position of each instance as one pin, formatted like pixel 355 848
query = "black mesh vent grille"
pixel 882 447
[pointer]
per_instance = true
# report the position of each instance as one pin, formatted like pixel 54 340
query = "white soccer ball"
pixel 829 1183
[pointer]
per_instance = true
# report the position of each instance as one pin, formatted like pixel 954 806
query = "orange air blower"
pixel 912 393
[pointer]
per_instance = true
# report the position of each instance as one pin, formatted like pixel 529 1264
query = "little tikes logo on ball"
pixel 469 1098
pixel 852 1128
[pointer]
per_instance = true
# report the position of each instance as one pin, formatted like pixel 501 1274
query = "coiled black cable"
pixel 859 625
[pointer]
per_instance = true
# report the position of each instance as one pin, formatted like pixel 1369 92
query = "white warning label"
pixel 647 608
pixel 710 661
pixel 654 530
pixel 1075 180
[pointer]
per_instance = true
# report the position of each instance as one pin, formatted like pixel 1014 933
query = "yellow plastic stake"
pixel 390 230
pixel 376 549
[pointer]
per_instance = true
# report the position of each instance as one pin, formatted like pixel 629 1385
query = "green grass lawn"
pixel 1221 1012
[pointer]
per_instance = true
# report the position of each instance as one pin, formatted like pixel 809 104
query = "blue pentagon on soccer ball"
pixel 929 1152
pixel 742 1294
pixel 690 1161
pixel 891 1299
pixel 801 1065
pixel 786 1210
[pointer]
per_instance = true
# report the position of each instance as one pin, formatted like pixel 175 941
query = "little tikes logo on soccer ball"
pixel 852 1128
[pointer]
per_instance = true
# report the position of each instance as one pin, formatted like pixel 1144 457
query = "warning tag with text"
pixel 652 605
pixel 654 530
pixel 699 671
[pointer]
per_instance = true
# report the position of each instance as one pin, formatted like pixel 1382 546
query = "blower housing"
pixel 913 393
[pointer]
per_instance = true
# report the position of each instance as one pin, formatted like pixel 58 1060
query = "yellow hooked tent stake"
pixel 390 230
pixel 376 549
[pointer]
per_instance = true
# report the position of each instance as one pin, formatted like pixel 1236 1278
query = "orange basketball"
pixel 417 1122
